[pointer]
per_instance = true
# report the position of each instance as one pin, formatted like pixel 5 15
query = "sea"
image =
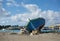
pixel 16 31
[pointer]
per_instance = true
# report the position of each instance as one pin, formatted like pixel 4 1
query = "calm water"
pixel 19 31
pixel 9 30
pixel 50 30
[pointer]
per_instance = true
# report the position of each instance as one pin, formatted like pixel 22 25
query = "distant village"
pixel 9 27
pixel 56 27
pixel 17 27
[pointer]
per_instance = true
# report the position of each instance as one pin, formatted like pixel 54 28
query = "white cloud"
pixel 31 7
pixel 14 18
pixel 36 12
pixel 3 22
pixel 51 17
pixel 12 3
pixel 9 4
pixel 17 5
pixel 1 0
pixel 9 0
pixel 4 13
pixel 2 9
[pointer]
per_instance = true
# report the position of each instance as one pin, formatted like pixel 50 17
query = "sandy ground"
pixel 40 37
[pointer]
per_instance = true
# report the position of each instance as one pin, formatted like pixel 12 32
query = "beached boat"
pixel 35 24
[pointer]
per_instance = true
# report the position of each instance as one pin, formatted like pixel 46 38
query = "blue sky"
pixel 46 4
pixel 17 12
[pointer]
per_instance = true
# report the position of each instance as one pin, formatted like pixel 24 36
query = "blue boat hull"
pixel 35 24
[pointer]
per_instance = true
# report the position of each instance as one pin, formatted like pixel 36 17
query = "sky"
pixel 17 12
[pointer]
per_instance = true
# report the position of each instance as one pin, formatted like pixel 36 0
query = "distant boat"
pixel 3 29
pixel 35 24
